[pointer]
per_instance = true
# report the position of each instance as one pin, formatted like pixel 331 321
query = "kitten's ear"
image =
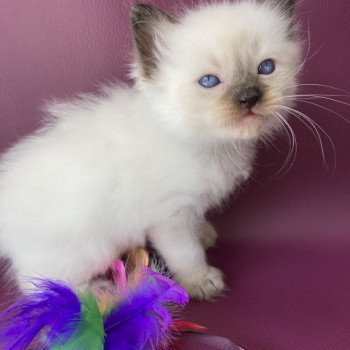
pixel 147 24
pixel 286 6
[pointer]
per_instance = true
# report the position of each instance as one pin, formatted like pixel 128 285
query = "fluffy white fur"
pixel 145 163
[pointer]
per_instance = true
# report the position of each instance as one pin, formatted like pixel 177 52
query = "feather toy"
pixel 145 310
pixel 53 309
pixel 133 313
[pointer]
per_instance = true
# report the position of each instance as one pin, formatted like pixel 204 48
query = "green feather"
pixel 89 334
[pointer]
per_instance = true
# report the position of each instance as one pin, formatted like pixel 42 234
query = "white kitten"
pixel 146 163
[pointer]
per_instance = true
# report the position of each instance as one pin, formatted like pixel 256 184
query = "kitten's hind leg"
pixel 207 235
pixel 179 244
pixel 73 266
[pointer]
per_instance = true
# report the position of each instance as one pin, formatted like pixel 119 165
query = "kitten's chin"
pixel 250 126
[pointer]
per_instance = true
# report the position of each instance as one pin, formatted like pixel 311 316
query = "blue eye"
pixel 267 67
pixel 209 81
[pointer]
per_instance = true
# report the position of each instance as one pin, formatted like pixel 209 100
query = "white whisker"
pixel 324 97
pixel 318 85
pixel 302 116
pixel 313 130
pixel 293 146
pixel 316 95
pixel 325 108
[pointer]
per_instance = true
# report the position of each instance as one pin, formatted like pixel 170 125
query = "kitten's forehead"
pixel 249 14
pixel 233 37
pixel 238 26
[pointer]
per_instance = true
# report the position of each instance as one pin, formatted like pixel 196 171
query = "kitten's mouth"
pixel 249 117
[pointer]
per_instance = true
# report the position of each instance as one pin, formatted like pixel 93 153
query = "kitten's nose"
pixel 249 97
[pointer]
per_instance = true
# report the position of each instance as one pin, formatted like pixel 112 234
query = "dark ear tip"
pixel 138 9
pixel 143 12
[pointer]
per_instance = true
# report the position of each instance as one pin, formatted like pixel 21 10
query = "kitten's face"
pixel 224 70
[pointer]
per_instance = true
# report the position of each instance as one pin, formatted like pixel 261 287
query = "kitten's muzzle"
pixel 248 97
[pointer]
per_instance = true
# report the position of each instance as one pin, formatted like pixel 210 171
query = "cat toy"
pixel 133 312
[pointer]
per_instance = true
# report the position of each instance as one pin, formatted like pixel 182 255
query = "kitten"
pixel 108 173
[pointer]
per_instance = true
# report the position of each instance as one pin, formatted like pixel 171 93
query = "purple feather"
pixel 143 321
pixel 50 313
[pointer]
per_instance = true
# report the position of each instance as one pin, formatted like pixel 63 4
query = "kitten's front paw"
pixel 207 287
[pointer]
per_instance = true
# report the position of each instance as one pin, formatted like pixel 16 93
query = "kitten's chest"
pixel 221 173
pixel 211 176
